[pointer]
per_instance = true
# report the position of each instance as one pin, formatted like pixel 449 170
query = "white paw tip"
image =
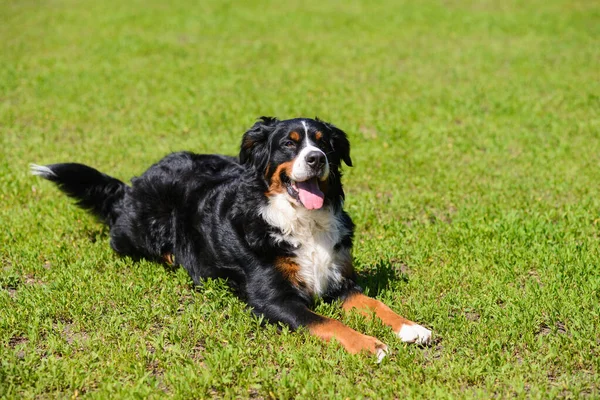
pixel 381 353
pixel 414 334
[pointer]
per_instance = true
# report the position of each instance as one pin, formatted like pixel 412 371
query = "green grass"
pixel 475 138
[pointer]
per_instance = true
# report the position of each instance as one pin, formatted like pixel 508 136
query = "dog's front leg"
pixel 295 314
pixel 353 341
pixel 406 330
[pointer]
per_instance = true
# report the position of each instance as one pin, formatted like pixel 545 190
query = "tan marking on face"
pixel 354 342
pixel 318 135
pixel 289 269
pixel 367 306
pixel 277 186
pixel 295 136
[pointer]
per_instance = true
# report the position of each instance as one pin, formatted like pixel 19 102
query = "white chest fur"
pixel 314 233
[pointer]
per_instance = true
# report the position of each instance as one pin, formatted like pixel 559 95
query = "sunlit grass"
pixel 474 129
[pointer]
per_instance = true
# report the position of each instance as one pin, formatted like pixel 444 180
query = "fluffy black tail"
pixel 94 191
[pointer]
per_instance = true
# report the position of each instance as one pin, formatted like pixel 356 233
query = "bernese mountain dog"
pixel 270 222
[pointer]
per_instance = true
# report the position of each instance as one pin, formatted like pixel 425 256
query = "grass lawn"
pixel 475 130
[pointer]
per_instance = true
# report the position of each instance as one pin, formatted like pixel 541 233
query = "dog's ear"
pixel 254 149
pixel 339 142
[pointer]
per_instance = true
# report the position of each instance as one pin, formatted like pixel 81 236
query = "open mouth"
pixel 307 193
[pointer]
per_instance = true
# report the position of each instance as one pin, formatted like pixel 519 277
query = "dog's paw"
pixel 372 345
pixel 414 334
pixel 376 347
pixel 381 353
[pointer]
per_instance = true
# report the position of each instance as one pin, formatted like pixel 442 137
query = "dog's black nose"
pixel 315 159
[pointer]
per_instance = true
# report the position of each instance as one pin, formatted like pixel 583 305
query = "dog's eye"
pixel 289 143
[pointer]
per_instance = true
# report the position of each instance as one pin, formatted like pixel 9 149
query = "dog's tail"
pixel 94 191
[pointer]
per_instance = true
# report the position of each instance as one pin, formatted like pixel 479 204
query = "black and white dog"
pixel 270 222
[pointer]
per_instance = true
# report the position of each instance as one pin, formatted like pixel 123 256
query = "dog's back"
pixel 143 217
pixel 171 205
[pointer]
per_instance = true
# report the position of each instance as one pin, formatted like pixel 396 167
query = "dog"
pixel 270 222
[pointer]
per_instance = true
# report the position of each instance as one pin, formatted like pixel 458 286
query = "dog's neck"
pixel 294 220
pixel 313 234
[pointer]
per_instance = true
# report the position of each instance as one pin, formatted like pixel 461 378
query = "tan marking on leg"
pixel 168 258
pixel 354 342
pixel 289 269
pixel 367 306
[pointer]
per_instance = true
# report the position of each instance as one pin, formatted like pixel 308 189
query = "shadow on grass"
pixel 372 278
pixel 377 277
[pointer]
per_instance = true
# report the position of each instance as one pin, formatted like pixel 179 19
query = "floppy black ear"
pixel 254 149
pixel 339 142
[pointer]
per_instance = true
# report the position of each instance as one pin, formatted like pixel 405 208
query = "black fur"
pixel 205 211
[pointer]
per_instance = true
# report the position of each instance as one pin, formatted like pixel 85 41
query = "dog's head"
pixel 299 158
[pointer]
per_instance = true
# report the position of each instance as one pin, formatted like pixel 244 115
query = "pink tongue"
pixel 310 194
